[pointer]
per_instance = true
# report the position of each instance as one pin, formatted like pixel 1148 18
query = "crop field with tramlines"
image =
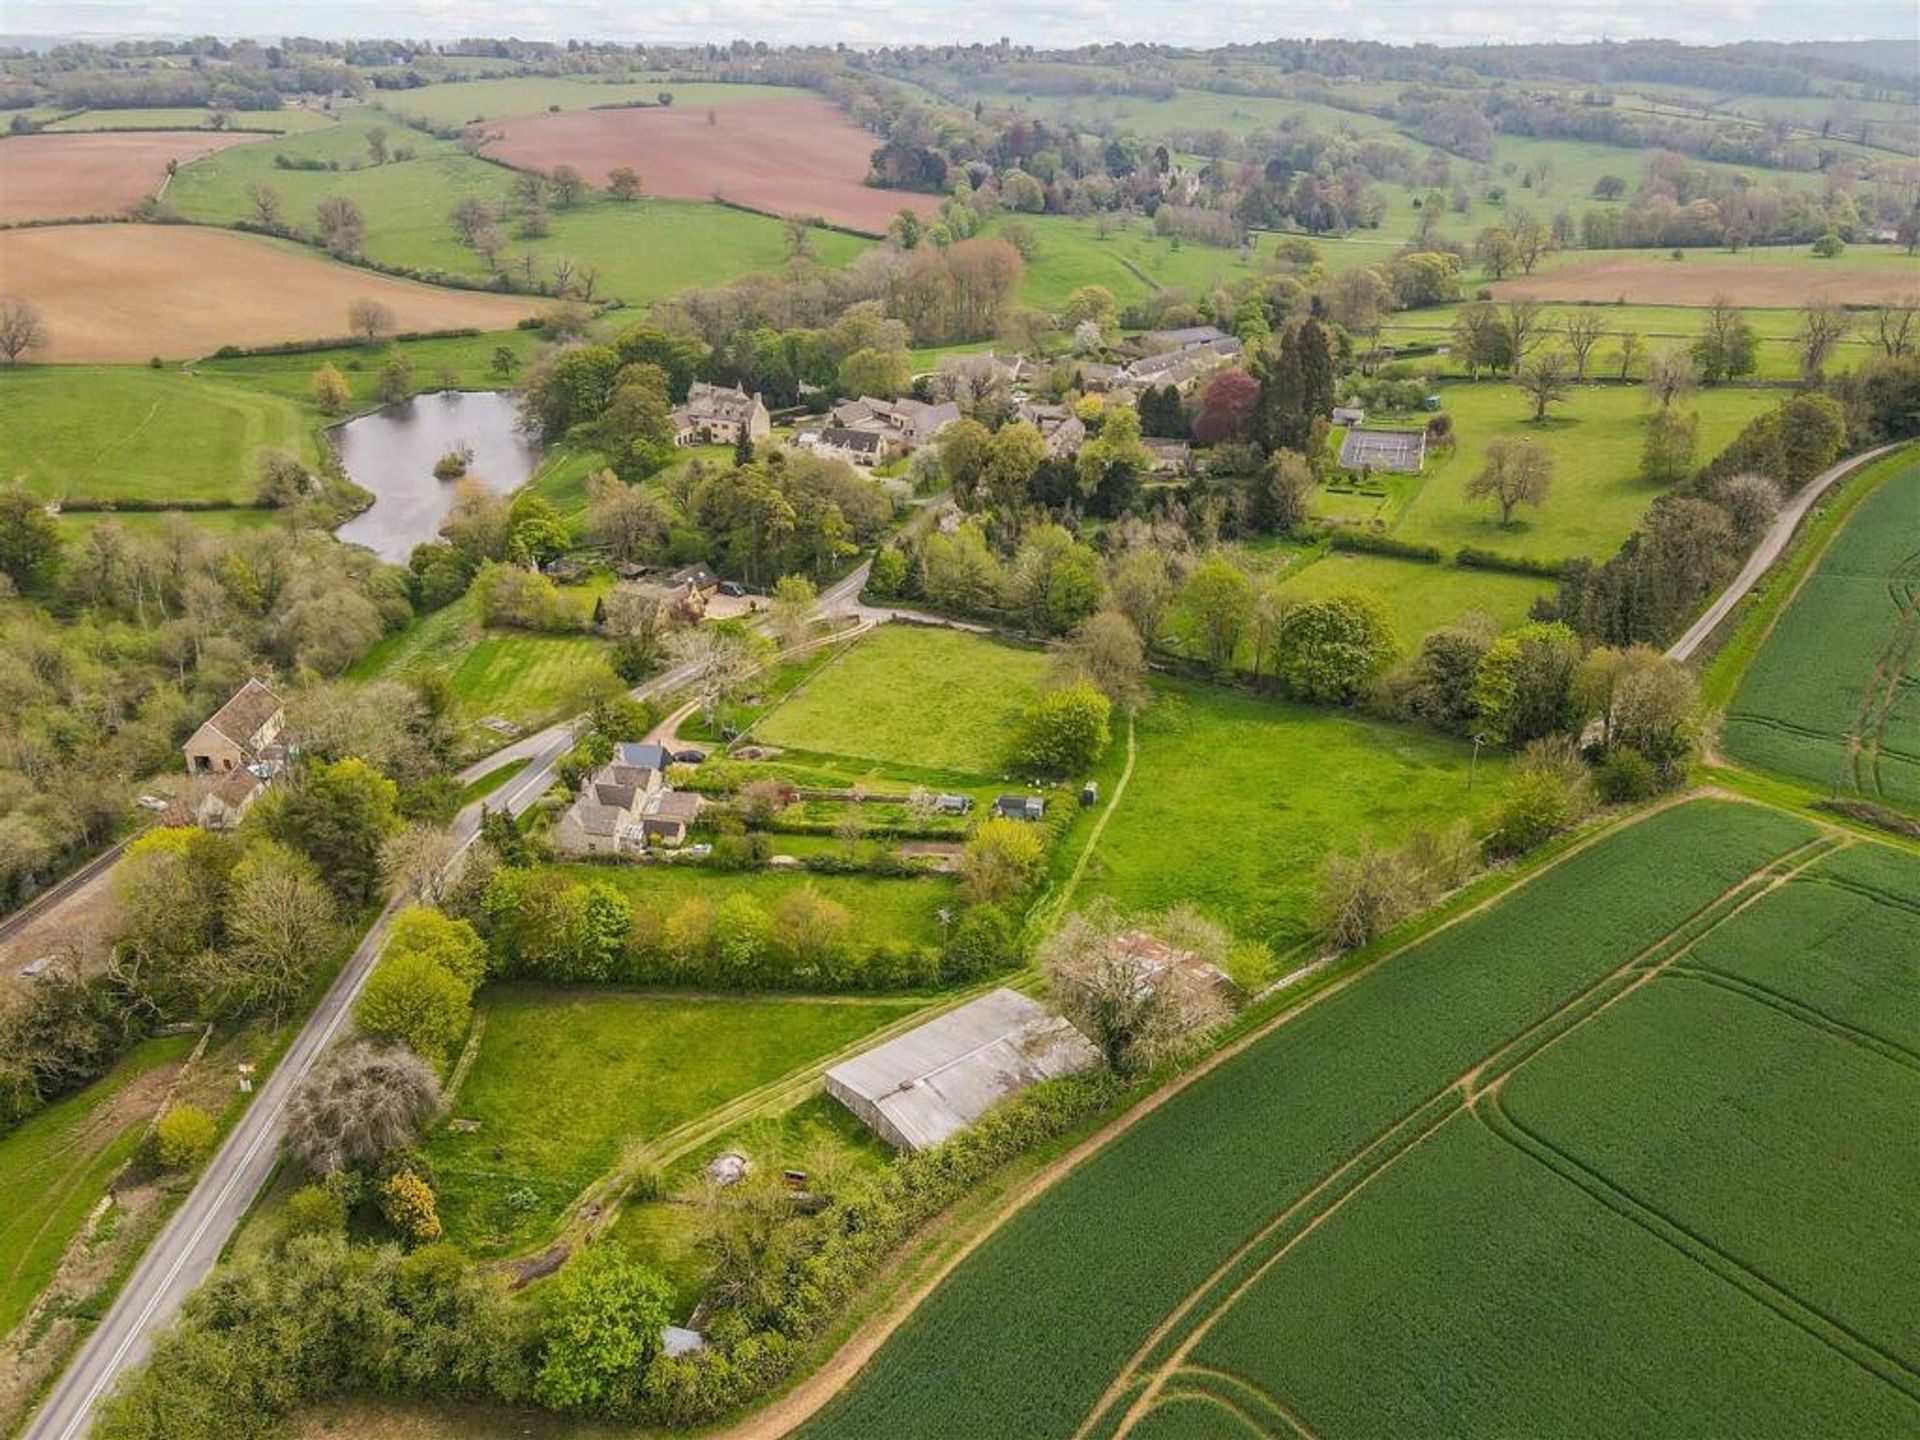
pixel 1834 695
pixel 1619 1114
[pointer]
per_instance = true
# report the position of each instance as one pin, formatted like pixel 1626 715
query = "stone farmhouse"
pixel 235 753
pixel 716 415
pixel 1180 358
pixel 626 806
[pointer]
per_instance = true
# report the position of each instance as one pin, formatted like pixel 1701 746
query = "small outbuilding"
pixel 1020 807
pixel 928 1085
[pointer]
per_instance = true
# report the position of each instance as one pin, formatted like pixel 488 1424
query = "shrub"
pixel 413 998
pixel 183 1137
pixel 602 1327
pixel 1001 860
pixel 314 1210
pixel 980 944
pixel 407 1202
pixel 1626 776
pixel 1547 793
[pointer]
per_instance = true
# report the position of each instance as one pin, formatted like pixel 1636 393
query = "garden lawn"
pixel 1025 1334
pixel 141 436
pixel 1833 697
pixel 884 908
pixel 567 1079
pixel 1420 597
pixel 55 1167
pixel 914 696
pixel 526 678
pixel 1235 803
pixel 1596 497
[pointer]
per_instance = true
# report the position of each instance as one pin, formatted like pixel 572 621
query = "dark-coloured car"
pixel 733 588
pixel 689 757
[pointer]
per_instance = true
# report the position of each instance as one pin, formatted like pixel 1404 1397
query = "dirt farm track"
pixel 76 177
pixel 787 157
pixel 113 293
pixel 1656 280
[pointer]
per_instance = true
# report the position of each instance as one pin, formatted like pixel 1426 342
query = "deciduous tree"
pixel 1517 472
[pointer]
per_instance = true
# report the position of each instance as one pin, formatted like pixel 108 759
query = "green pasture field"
pixel 567 1079
pixel 103 432
pixel 523 677
pixel 1133 263
pixel 884 908
pixel 644 250
pixel 466 360
pixel 1597 496
pixel 458 102
pixel 914 696
pixel 1660 328
pixel 1833 696
pixel 281 122
pixel 1235 802
pixel 1025 1335
pixel 1420 597
pixel 55 1166
pixel 1187 112
pixel 225 524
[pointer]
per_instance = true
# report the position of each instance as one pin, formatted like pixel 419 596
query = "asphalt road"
pixel 191 1242
pixel 1768 551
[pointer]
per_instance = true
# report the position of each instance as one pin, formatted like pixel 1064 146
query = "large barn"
pixel 929 1084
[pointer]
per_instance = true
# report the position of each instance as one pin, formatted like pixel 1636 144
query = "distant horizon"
pixel 871 24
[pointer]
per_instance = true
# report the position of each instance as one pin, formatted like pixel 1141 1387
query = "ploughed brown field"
pixel 126 292
pixel 788 157
pixel 75 177
pixel 1657 280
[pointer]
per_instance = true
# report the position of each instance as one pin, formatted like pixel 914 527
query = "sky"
pixel 1052 23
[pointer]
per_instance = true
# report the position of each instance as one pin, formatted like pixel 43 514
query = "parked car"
pixel 689 757
pixel 733 589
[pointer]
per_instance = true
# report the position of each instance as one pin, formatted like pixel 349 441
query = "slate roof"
pixel 250 707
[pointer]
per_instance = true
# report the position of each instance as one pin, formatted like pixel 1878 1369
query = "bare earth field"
pixel 1656 280
pixel 62 177
pixel 126 292
pixel 787 157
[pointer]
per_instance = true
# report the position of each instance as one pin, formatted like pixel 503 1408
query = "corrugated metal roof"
pixel 939 1078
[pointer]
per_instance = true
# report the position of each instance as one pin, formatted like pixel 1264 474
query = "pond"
pixel 392 453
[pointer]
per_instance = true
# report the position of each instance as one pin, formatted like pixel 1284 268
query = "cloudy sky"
pixel 1051 23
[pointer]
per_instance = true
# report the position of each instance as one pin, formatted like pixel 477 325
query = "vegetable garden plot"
pixel 1026 1334
pixel 1834 695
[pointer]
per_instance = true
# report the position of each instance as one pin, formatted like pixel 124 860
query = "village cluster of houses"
pixel 868 432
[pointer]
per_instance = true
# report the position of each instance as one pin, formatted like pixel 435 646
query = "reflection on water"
pixel 392 452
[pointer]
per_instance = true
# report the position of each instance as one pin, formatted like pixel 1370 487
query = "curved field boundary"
pixel 811 1393
pixel 1167 1351
pixel 1830 1331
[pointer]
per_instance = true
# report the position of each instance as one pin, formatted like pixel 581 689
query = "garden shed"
pixel 929 1084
